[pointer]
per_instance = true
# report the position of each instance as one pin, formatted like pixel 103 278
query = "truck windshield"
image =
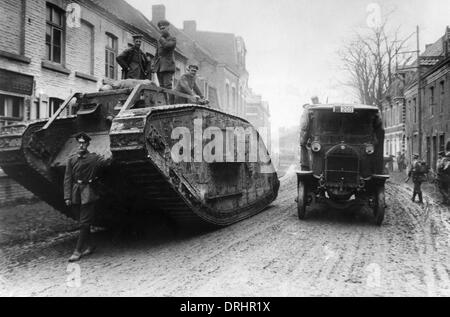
pixel 359 122
pixel 328 122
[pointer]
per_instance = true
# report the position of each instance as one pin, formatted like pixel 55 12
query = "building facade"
pixel 258 114
pixel 428 114
pixel 230 76
pixel 51 49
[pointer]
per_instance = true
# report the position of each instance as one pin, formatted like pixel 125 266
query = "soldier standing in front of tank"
pixel 418 173
pixel 164 62
pixel 134 62
pixel 79 193
pixel 443 176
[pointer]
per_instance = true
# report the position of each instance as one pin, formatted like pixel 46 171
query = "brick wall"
pixel 11 23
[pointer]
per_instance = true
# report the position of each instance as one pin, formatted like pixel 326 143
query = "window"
pixel 227 92
pixel 431 95
pixel 11 107
pixel 415 110
pixel 234 99
pixel 110 56
pixel 54 37
pixel 410 111
pixel 442 97
pixel 54 105
pixel 391 113
pixel 12 12
pixel 206 90
pixel 442 142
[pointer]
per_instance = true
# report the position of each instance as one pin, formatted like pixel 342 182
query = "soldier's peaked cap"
pixel 442 153
pixel 137 36
pixel 83 137
pixel 163 23
pixel 415 154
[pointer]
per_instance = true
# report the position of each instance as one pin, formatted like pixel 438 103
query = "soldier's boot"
pixel 420 198
pixel 414 197
pixel 83 239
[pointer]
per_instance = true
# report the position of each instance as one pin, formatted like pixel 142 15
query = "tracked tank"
pixel 187 162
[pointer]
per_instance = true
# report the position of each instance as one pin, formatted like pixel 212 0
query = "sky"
pixel 293 44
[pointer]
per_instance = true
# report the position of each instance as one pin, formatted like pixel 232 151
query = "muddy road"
pixel 273 254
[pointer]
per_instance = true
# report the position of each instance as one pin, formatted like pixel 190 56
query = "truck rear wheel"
pixel 301 201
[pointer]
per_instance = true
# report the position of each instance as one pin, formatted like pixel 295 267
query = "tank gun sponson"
pixel 139 130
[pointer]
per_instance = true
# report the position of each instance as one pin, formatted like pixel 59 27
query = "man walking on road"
pixel 418 171
pixel 79 193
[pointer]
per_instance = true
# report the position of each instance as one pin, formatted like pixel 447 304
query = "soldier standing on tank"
pixel 164 62
pixel 418 172
pixel 79 192
pixel 135 64
pixel 443 176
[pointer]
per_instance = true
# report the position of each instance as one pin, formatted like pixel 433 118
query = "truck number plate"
pixel 344 109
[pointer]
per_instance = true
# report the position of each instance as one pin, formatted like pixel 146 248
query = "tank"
pixel 189 163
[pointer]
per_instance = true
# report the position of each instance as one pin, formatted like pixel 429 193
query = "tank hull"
pixel 146 178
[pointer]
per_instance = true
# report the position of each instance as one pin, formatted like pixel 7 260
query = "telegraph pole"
pixel 419 95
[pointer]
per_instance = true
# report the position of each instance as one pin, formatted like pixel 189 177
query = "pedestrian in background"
pixel 419 173
pixel 443 176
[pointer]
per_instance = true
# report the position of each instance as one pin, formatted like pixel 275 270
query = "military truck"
pixel 341 149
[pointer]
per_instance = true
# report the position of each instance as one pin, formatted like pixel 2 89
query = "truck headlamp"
pixel 316 147
pixel 370 149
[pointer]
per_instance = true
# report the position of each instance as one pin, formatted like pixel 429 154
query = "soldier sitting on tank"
pixel 443 176
pixel 419 173
pixel 188 85
pixel 80 194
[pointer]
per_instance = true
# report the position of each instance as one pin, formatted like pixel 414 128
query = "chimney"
pixel 158 13
pixel 190 27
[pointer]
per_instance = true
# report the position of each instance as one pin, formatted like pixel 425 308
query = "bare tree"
pixel 370 61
